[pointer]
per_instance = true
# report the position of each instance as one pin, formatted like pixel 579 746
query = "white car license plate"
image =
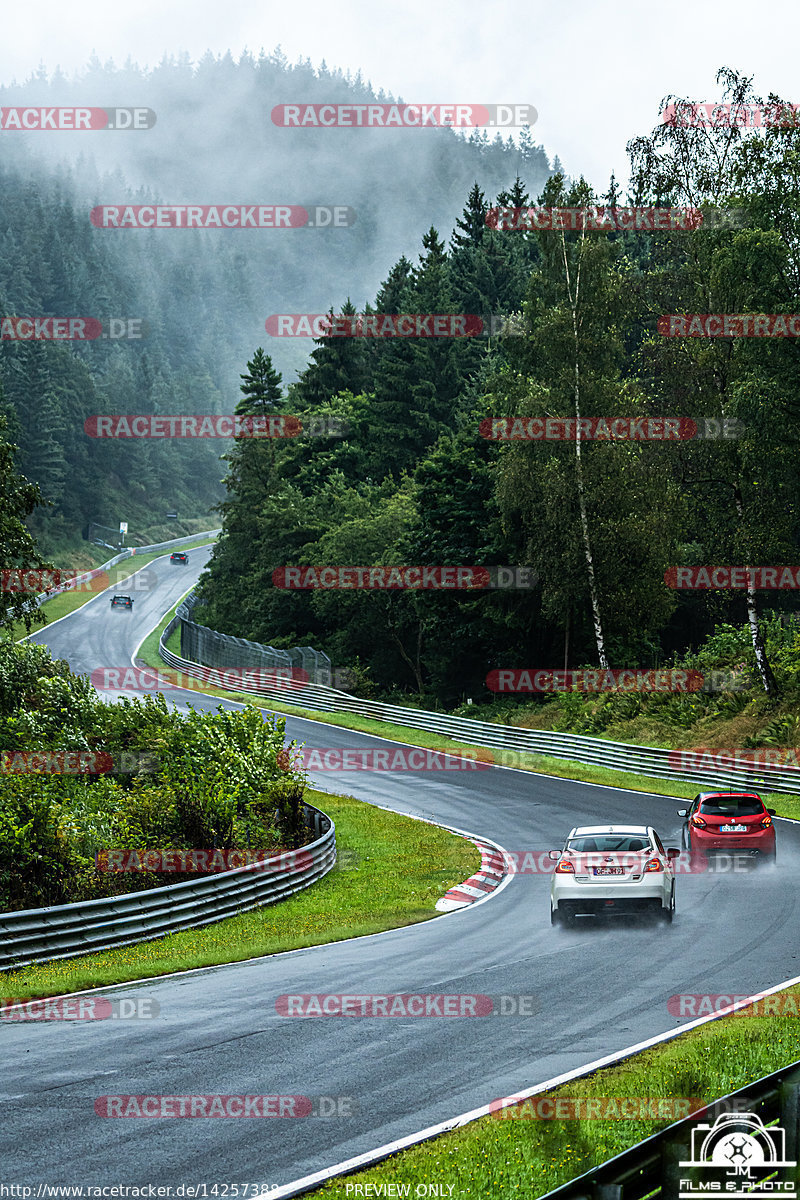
pixel 733 828
pixel 608 871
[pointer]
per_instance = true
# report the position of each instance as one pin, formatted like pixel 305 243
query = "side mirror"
pixel 772 812
pixel 673 853
pixel 682 812
pixel 554 854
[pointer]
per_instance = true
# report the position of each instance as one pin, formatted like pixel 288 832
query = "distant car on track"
pixel 732 822
pixel 179 557
pixel 612 870
pixel 122 602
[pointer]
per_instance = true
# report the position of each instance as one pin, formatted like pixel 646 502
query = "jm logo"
pixel 738 1146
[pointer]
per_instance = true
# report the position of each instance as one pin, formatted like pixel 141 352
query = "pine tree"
pixel 472 221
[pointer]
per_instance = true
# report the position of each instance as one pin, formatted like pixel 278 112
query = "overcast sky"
pixel 596 72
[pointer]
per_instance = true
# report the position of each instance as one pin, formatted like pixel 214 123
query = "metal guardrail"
pixel 62 931
pixel 130 552
pixel 652 1169
pixel 219 651
pixel 181 541
pixel 507 741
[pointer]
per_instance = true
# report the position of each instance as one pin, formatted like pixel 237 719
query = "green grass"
pixel 505 1157
pixel 397 869
pixel 68 602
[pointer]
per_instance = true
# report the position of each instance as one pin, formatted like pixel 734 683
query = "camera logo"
pixel 747 1152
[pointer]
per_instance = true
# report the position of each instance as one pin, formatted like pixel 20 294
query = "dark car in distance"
pixel 179 557
pixel 733 822
pixel 122 602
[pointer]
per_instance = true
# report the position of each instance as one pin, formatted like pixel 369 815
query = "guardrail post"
pixel 790 1117
pixel 671 1154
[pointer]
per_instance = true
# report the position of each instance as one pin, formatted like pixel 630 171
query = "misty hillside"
pixel 203 295
pixel 214 143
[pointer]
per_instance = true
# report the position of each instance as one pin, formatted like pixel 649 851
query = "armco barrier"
pixel 41 934
pixel 651 1168
pixel 618 756
pixel 130 552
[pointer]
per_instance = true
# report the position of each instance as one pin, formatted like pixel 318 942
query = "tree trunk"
pixel 762 662
pixel 587 545
pixel 764 668
pixel 414 664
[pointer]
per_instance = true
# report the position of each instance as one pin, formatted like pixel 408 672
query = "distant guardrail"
pixel 130 552
pixel 63 931
pixel 214 651
pixel 507 741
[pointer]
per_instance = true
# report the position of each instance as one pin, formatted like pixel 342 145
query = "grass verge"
pixel 543 764
pixel 513 1156
pixel 394 880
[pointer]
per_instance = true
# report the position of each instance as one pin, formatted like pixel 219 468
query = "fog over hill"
pixel 203 295
pixel 214 142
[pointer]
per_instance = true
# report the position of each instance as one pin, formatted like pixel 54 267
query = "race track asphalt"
pixel 597 989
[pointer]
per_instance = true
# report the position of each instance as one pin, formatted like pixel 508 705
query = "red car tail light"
pixel 564 867
pixel 698 822
pixel 766 821
pixel 654 865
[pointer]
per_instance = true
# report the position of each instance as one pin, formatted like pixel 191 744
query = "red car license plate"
pixel 608 871
pixel 733 829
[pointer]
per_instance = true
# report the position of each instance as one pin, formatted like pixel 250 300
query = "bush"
pixel 222 779
pixel 37 864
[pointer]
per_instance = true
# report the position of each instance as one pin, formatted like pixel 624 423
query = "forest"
pixel 602 522
pixel 199 298
pixel 425 454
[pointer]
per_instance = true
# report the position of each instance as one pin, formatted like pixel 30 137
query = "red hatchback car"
pixel 730 821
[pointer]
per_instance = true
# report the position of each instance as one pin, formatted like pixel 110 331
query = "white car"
pixel 610 870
